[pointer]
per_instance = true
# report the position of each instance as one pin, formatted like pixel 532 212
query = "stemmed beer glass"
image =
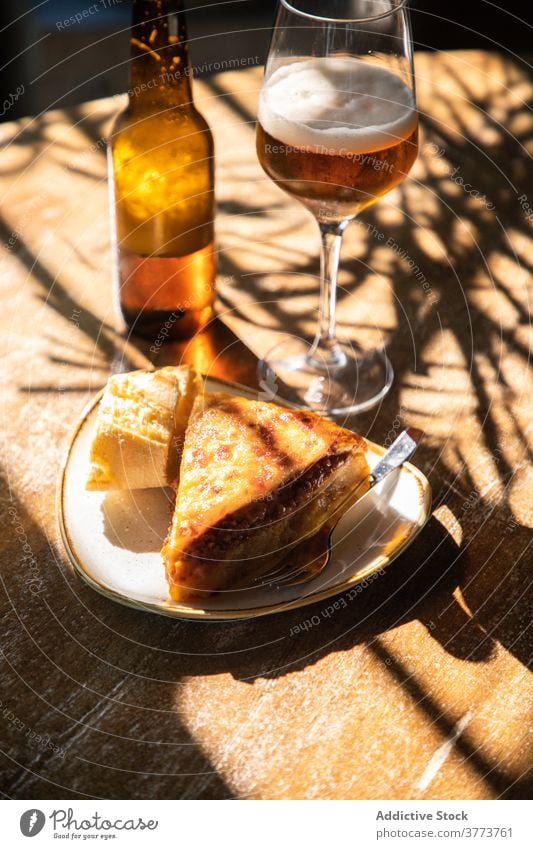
pixel 337 129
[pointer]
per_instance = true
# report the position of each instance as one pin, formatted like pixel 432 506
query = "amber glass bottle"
pixel 162 184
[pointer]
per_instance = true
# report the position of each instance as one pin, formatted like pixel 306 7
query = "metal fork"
pixel 299 570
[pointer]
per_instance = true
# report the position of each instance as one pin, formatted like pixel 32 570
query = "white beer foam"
pixel 337 104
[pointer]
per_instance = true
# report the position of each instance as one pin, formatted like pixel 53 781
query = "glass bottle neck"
pixel 160 71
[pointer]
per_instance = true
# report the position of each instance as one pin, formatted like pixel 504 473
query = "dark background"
pixel 88 60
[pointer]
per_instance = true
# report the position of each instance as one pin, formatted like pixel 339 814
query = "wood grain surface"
pixel 419 688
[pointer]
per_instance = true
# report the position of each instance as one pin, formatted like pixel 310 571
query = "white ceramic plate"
pixel 113 539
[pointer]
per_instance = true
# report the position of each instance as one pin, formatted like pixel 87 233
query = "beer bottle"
pixel 161 177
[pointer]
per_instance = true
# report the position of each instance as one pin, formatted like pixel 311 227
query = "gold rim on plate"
pixel 172 609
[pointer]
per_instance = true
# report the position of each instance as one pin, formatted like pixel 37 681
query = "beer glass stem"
pixel 325 353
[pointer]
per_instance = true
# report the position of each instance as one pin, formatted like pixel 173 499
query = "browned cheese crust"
pixel 255 479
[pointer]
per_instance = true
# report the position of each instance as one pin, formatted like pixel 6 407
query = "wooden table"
pixel 419 689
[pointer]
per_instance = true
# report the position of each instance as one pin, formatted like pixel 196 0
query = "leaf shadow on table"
pixel 101 344
pixel 113 676
pixel 98 344
pixel 474 268
pixel 59 681
pixel 55 295
pixel 459 349
pixel 419 585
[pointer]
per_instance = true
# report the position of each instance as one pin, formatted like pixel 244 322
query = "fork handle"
pixel 401 450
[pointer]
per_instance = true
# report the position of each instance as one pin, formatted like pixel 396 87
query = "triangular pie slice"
pixel 255 479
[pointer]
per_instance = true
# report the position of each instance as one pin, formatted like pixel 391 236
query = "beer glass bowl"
pixel 337 129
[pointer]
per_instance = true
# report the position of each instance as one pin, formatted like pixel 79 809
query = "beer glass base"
pixel 289 373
